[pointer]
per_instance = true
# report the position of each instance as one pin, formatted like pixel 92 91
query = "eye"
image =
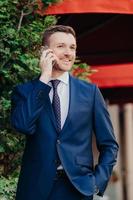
pixel 73 48
pixel 60 45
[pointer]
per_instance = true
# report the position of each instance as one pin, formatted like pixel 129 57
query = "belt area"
pixel 61 174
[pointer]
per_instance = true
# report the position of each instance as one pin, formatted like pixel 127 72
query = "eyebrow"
pixel 64 43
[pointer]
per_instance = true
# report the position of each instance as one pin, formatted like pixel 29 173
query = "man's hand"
pixel 47 60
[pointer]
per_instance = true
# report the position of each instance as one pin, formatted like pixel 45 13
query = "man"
pixel 59 113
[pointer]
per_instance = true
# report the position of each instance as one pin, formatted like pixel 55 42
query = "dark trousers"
pixel 64 190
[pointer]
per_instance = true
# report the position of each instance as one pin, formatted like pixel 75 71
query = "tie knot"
pixel 55 83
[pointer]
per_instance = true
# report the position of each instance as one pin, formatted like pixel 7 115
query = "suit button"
pixel 58 142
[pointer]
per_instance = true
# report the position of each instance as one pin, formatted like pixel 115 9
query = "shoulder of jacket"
pixel 24 88
pixel 26 85
pixel 84 83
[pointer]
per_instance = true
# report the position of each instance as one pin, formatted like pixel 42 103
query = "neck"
pixel 57 73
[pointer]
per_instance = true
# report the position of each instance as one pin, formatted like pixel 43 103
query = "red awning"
pixel 90 6
pixel 113 75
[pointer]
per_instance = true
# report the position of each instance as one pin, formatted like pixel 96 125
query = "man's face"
pixel 64 47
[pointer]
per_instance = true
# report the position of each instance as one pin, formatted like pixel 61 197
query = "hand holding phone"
pixel 44 48
pixel 48 61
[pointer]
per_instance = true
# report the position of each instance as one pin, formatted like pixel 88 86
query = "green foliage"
pixel 8 187
pixel 21 31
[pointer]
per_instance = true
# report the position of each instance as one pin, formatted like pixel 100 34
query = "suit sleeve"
pixel 27 103
pixel 106 143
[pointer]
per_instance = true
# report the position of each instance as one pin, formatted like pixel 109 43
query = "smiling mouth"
pixel 66 61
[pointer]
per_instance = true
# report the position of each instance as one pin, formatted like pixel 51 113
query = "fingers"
pixel 44 51
pixel 47 53
pixel 47 60
pixel 47 57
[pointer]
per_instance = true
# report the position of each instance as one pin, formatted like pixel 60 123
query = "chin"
pixel 65 68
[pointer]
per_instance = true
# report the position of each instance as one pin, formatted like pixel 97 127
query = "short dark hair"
pixel 57 28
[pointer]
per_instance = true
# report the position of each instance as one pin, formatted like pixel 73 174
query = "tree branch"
pixel 30 8
pixel 20 20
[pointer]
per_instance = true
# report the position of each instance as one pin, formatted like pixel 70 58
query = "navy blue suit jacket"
pixel 33 116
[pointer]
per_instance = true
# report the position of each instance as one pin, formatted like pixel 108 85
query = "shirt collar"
pixel 63 78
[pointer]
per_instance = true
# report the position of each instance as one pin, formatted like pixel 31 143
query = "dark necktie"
pixel 56 104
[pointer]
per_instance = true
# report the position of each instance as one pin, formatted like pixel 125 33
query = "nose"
pixel 67 51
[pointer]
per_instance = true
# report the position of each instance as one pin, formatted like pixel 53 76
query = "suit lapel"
pixel 48 107
pixel 73 88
